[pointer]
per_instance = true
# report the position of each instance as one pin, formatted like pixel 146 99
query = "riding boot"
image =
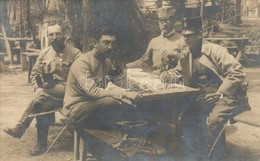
pixel 217 139
pixel 42 140
pixel 24 122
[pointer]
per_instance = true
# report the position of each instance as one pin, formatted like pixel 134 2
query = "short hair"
pixel 103 30
pixel 54 23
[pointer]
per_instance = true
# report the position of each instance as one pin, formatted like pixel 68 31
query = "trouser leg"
pixel 107 114
pixel 217 140
pixel 224 110
pixel 42 140
pixel 194 139
pixel 94 114
pixel 24 122
pixel 42 124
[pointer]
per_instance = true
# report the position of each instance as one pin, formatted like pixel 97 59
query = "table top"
pixel 166 93
pixel 154 88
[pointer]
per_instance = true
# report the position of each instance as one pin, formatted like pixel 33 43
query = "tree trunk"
pixel 21 19
pixel 28 20
pixel 75 19
pixel 6 29
pixel 238 12
pixel 4 19
pixel 86 11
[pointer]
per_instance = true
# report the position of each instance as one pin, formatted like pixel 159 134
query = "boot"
pixel 42 140
pixel 219 148
pixel 24 122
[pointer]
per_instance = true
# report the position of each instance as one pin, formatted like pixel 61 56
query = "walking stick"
pixel 54 142
pixel 215 142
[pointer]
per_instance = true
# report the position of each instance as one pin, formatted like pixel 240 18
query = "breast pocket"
pixel 64 69
pixel 45 66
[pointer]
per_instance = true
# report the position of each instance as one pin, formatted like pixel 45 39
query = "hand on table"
pixel 212 98
pixel 132 96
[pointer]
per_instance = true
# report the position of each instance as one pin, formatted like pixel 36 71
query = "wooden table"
pixel 173 94
pixel 31 58
pixel 20 49
pixel 240 44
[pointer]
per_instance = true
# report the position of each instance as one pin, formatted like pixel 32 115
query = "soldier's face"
pixel 193 40
pixel 56 38
pixel 166 25
pixel 55 32
pixel 106 44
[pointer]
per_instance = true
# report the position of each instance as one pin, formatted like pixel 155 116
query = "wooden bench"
pixel 249 117
pixel 250 47
pixel 115 144
pixel 31 59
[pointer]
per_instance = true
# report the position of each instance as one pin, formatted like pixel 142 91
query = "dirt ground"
pixel 242 140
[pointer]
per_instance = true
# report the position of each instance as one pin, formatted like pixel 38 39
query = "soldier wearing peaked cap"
pixel 163 51
pixel 220 77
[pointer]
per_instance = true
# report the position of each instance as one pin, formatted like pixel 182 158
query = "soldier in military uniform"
pixel 221 78
pixel 166 46
pixel 49 76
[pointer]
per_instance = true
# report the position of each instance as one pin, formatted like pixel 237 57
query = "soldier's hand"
pixel 213 97
pixel 133 96
pixel 47 85
pixel 170 76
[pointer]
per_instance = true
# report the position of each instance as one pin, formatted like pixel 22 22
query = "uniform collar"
pixel 97 55
pixel 169 34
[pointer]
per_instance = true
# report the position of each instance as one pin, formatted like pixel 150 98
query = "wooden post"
pixel 223 10
pixel 76 145
pixel 21 19
pixel 86 10
pixel 22 49
pixel 202 9
pixel 238 12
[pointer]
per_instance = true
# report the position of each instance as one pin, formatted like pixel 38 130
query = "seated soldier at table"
pixel 49 76
pixel 167 46
pixel 220 76
pixel 87 103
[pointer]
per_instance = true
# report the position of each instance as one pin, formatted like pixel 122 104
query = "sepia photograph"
pixel 129 80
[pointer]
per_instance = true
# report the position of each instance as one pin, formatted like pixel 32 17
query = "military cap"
pixel 165 12
pixel 191 25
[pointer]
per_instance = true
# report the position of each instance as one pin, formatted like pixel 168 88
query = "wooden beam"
pixel 16 38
